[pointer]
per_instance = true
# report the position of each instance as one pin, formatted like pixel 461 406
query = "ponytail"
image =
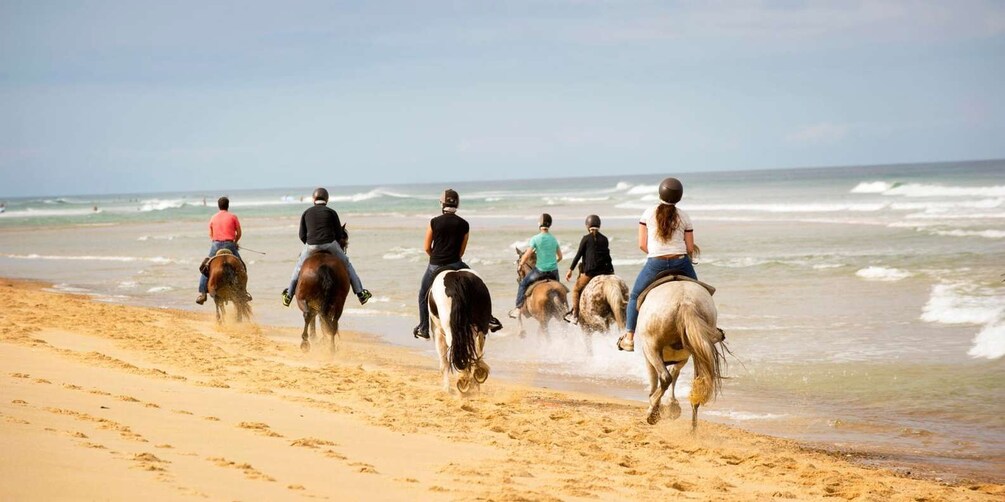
pixel 666 222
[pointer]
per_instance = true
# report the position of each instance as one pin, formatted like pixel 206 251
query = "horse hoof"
pixel 653 417
pixel 463 385
pixel 481 373
pixel 305 346
pixel 673 410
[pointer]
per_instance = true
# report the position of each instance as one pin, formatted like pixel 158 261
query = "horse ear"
pixel 518 252
pixel 343 226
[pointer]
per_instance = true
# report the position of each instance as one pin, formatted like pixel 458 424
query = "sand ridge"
pixel 106 401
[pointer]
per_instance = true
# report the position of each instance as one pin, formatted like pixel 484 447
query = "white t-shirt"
pixel 676 243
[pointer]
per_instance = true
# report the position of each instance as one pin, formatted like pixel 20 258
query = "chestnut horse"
pixel 228 282
pixel 321 293
pixel 547 301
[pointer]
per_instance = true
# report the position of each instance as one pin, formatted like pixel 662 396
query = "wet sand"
pixel 103 401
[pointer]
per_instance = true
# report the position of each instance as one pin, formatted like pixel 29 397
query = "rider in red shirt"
pixel 224 231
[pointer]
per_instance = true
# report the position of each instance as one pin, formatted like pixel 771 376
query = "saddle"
pixel 535 284
pixel 670 276
pixel 204 266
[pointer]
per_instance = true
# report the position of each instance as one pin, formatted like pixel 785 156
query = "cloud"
pixel 817 134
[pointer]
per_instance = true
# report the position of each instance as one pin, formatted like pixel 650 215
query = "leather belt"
pixel 671 256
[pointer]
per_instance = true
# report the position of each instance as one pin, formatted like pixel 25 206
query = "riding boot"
pixel 419 332
pixel 201 298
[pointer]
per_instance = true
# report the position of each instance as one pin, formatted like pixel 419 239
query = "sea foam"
pixel 882 274
pixel 989 343
pixel 961 304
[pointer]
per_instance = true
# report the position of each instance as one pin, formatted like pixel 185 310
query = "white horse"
pixel 602 303
pixel 678 321
pixel 460 309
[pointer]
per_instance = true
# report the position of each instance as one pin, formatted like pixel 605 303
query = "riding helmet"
pixel 450 198
pixel 320 194
pixel 671 190
pixel 544 221
pixel 592 221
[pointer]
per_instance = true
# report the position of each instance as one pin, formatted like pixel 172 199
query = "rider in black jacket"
pixel 320 230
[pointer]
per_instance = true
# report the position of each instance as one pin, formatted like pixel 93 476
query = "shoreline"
pixel 135 392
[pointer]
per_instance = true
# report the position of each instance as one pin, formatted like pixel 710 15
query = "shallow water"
pixel 864 306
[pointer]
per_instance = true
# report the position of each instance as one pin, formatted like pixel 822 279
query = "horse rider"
pixel 224 232
pixel 445 243
pixel 545 246
pixel 320 230
pixel 595 252
pixel 667 238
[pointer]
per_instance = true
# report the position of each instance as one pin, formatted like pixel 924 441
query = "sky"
pixel 137 96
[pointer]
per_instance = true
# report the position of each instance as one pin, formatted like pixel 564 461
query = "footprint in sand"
pixel 260 428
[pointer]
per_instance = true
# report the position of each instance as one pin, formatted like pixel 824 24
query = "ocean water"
pixel 864 306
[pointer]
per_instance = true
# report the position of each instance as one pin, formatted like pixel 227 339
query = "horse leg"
pixel 673 410
pixel 519 320
pixel 654 361
pixel 443 351
pixel 314 329
pixel 694 418
pixel 308 323
pixel 221 310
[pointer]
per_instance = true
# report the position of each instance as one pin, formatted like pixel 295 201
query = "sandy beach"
pixel 107 402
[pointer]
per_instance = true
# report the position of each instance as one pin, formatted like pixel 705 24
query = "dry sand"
pixel 113 402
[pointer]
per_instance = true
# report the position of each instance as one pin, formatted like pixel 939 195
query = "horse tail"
pixel 699 337
pixel 328 281
pixel 616 293
pixel 558 302
pixel 229 276
pixel 471 311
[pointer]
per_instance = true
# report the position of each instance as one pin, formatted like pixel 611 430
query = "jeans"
pixel 530 278
pixel 652 268
pixel 333 248
pixel 216 246
pixel 427 282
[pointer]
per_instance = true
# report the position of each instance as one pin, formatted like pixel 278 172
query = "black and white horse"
pixel 460 308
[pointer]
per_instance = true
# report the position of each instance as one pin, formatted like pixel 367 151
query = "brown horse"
pixel 321 293
pixel 548 299
pixel 228 282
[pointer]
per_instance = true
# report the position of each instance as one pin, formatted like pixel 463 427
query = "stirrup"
pixel 364 296
pixel 287 299
pixel 626 345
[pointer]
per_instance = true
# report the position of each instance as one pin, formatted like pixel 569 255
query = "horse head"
pixel 522 271
pixel 344 240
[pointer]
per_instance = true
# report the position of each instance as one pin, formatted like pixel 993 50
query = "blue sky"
pixel 101 97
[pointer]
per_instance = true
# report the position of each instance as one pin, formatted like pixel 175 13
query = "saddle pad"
pixel 530 289
pixel 220 252
pixel 665 278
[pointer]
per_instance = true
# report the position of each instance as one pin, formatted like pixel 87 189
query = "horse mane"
pixel 471 310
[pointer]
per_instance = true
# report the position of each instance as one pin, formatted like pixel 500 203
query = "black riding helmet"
pixel 450 198
pixel 671 190
pixel 320 194
pixel 544 221
pixel 592 221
